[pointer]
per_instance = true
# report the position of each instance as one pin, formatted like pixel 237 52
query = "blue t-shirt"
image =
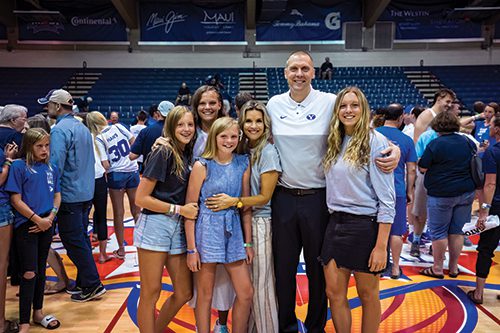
pixel 408 154
pixel 4 196
pixel 146 138
pixel 491 164
pixel 447 159
pixel 482 133
pixel 37 186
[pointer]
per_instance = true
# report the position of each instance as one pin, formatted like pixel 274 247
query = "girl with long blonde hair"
pixel 360 199
pixel 265 170
pixel 96 122
pixel 159 233
pixel 220 237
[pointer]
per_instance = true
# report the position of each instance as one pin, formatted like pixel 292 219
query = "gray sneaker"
pixel 415 250
pixel 89 294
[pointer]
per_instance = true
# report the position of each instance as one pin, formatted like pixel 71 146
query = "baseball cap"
pixel 165 107
pixel 60 96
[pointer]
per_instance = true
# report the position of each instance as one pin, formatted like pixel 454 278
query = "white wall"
pixel 203 59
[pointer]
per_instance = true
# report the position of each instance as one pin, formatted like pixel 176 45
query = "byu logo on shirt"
pixel 311 116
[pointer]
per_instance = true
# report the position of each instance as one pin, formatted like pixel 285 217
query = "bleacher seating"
pixel 471 83
pixel 382 85
pixel 130 90
pixel 24 85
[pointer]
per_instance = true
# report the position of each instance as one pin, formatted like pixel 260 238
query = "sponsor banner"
pixel 100 26
pixel 3 32
pixel 424 22
pixel 303 22
pixel 165 22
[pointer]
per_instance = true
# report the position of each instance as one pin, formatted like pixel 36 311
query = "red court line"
pixel 423 324
pixel 489 314
pixel 117 316
pixel 396 303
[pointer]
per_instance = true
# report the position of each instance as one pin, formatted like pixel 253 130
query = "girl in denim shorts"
pixel 159 233
pixel 6 220
pixel 217 237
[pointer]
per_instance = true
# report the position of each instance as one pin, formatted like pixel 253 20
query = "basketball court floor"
pixel 414 303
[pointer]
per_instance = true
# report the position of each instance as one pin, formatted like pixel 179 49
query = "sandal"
pixel 47 320
pixel 430 273
pixel 118 255
pixel 454 275
pixel 473 298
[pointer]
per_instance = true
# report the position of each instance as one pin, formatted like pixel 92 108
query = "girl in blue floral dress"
pixel 220 237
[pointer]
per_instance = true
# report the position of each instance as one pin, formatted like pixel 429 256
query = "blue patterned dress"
pixel 219 236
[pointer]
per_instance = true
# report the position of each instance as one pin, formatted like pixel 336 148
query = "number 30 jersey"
pixel 113 145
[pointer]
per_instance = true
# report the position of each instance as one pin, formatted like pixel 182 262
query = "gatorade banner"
pixel 99 26
pixel 304 22
pixel 187 23
pixel 427 22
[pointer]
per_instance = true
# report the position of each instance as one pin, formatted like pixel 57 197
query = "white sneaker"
pixel 218 328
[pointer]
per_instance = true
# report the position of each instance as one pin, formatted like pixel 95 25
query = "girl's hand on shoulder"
pixel 161 141
pixel 378 259
pixel 220 202
pixel 193 262
pixel 250 255
pixel 189 211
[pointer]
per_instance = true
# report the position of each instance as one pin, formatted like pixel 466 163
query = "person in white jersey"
pixel 123 176
pixel 300 119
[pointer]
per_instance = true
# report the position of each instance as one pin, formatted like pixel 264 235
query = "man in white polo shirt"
pixel 300 119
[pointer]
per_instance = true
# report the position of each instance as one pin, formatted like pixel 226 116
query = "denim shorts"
pixel 123 180
pixel 447 215
pixel 160 232
pixel 6 215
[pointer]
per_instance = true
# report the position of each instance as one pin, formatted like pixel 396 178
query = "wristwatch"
pixel 239 204
pixel 485 206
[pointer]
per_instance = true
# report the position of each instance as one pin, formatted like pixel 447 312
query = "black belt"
pixel 299 192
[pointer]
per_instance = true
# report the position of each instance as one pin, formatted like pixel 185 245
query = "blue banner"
pixel 165 22
pixel 103 26
pixel 303 22
pixel 425 22
pixel 3 32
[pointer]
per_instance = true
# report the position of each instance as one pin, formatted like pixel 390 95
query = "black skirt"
pixel 349 240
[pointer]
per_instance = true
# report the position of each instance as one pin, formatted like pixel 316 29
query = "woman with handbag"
pixel 446 163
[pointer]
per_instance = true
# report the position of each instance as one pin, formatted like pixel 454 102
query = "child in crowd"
pixel 217 237
pixel 266 168
pixel 35 195
pixel 113 143
pixel 159 234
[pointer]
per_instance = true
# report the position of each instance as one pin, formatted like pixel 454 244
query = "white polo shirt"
pixel 300 132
